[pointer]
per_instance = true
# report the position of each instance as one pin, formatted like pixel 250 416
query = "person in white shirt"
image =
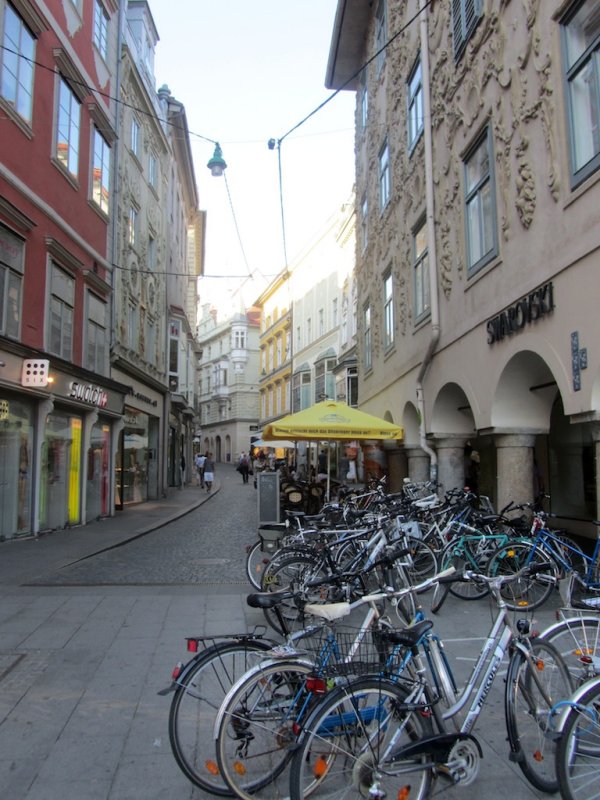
pixel 200 461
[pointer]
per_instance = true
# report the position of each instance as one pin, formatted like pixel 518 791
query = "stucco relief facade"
pixel 499 107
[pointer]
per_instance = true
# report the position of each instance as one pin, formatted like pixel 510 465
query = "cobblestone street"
pixel 206 548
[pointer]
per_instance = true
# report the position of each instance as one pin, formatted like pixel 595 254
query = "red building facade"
pixel 60 413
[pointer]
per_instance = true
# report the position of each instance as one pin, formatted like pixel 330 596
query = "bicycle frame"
pixel 546 539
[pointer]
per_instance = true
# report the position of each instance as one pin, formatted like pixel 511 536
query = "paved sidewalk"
pixel 23 559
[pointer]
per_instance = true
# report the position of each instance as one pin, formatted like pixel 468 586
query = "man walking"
pixel 244 467
pixel 200 461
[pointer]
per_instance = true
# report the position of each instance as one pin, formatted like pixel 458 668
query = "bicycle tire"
pixel 256 562
pixel 346 739
pixel 578 752
pixel 195 704
pixel 255 728
pixel 577 639
pixel 424 560
pixel 529 700
pixel 456 554
pixel 529 591
pixel 296 570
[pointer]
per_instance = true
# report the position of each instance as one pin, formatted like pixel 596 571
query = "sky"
pixel 248 72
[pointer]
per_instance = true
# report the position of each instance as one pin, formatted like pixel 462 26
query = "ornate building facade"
pixel 478 184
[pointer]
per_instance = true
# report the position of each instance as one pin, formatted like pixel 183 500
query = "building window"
pixel 152 170
pixel 384 176
pixel 421 272
pixel 101 23
pixel 367 338
pixel 132 227
pixel 324 379
pixel 18 56
pixel 465 16
pixel 62 303
pixel 364 228
pixel 151 253
pixel 133 331
pixel 151 342
pixel 581 48
pixel 101 173
pixel 12 263
pixel 135 137
pixel 308 331
pixel 67 131
pixel 321 322
pixel 380 35
pixel 96 335
pixel 388 311
pixel 334 313
pixel 364 101
pixel 415 105
pixel 480 206
pixel 239 340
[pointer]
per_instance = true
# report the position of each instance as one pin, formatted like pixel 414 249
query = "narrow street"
pixel 84 650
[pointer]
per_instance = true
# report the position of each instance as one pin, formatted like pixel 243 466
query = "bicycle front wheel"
pixel 352 744
pixel 527 591
pixel 533 687
pixel 256 729
pixel 578 754
pixel 195 704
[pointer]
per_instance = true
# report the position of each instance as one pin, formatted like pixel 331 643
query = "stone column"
pixel 451 461
pixel 595 429
pixel 418 464
pixel 514 462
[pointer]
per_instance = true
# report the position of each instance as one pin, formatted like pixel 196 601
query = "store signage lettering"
pixel 87 393
pixel 525 311
pixel 142 397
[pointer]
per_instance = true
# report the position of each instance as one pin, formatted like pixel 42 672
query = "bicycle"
pixel 578 752
pixel 257 724
pixel 388 736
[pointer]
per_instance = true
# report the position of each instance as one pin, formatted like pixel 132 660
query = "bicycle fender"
pixel 565 705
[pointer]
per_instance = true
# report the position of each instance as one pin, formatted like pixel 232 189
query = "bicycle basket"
pixel 345 651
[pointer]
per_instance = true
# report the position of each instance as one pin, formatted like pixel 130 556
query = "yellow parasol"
pixel 331 420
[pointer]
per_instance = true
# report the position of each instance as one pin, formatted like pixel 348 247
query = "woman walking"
pixel 209 471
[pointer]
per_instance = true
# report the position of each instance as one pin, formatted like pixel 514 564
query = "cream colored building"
pixel 478 189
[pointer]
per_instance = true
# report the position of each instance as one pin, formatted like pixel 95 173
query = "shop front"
pixel 137 468
pixel 58 436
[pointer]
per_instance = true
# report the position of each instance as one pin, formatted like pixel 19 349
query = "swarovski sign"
pixel 87 393
pixel 524 312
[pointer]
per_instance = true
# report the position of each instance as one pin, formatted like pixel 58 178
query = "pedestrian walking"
pixel 200 460
pixel 243 467
pixel 182 473
pixel 209 471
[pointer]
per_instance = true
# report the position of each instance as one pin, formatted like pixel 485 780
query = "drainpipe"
pixel 429 200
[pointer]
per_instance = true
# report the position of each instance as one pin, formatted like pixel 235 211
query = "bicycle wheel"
pixel 528 591
pixel 296 570
pixel 530 696
pixel 440 593
pixel 460 555
pixel 577 639
pixel 256 563
pixel 256 728
pixel 578 753
pixel 195 704
pixel 423 562
pixel 351 746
